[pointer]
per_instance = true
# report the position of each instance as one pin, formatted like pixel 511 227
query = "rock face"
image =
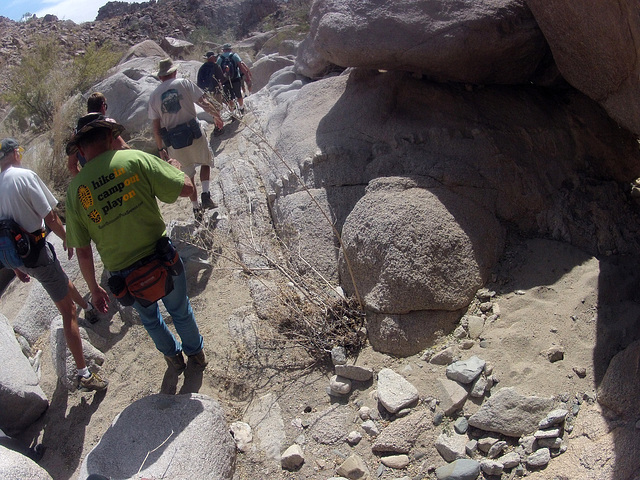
pixel 16 465
pixel 436 172
pixel 22 399
pixel 193 427
pixel 596 49
pixel 484 42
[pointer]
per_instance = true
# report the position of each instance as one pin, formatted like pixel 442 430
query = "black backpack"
pixel 229 67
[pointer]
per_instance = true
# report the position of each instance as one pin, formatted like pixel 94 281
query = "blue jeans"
pixel 178 305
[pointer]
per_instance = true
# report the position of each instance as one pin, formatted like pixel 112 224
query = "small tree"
pixel 33 84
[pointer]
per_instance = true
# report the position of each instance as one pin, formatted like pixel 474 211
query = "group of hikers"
pixel 112 203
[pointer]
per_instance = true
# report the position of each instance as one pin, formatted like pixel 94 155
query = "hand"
pixel 70 253
pixel 23 277
pixel 100 299
pixel 218 121
pixel 175 163
pixel 164 155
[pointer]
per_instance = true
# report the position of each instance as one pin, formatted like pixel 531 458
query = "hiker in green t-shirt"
pixel 112 202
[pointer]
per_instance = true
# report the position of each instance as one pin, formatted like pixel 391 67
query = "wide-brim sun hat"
pixel 90 122
pixel 226 46
pixel 166 67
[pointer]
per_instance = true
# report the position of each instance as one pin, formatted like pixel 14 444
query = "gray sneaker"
pixel 205 200
pixel 199 359
pixel 94 382
pixel 176 362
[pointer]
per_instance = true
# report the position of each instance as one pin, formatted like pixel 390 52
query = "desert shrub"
pixel 93 65
pixel 40 85
pixel 33 88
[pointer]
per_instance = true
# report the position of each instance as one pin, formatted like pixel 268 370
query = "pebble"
pixel 552 433
pixel 539 458
pixel 461 425
pixel 364 413
pixel 338 356
pixel 466 371
pixel 354 438
pixel 353 467
pixel 471 447
pixel 496 449
pixel 553 418
pixel 580 371
pixel 491 467
pixel 555 353
pixel 354 372
pixel 292 458
pixel 340 385
pixel 510 460
pixel 371 428
pixel 444 357
pixel 437 418
pixel 396 461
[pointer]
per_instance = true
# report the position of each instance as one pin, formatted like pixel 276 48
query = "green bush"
pixel 40 85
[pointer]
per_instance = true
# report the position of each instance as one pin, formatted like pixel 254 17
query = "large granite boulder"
pixel 14 465
pixel 492 41
pixel 620 386
pixel 160 436
pixel 414 246
pixel 266 66
pixel 595 46
pixel 21 397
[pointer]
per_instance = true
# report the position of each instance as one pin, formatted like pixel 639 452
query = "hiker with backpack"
pixel 233 70
pixel 177 131
pixel 210 78
pixel 26 208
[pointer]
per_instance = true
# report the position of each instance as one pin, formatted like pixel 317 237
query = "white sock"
pixel 205 186
pixel 195 204
pixel 84 372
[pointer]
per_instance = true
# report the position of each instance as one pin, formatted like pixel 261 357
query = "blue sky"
pixel 77 10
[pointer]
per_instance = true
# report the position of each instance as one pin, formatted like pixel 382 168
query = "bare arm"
pixel 99 296
pixel 158 138
pixel 187 188
pixel 52 220
pixel 211 109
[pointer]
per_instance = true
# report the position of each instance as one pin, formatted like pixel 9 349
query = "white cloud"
pixel 77 10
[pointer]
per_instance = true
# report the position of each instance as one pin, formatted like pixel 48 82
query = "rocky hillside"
pixel 125 24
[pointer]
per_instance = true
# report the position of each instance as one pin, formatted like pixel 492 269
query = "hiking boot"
pixel 91 316
pixel 197 213
pixel 199 359
pixel 176 362
pixel 94 382
pixel 205 200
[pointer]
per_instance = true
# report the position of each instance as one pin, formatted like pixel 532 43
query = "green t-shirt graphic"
pixel 112 201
